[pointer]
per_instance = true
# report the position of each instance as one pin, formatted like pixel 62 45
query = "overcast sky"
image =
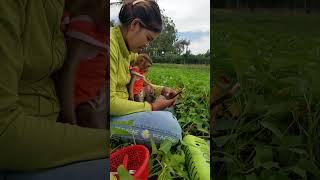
pixel 192 20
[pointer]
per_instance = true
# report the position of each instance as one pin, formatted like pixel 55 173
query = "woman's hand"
pixel 161 103
pixel 169 93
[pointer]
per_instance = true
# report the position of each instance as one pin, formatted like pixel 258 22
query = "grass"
pixel 192 107
pixel 275 56
pixel 168 162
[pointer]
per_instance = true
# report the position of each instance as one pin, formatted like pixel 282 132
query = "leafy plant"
pixel 167 162
pixel 191 111
pixel 118 131
pixel 276 134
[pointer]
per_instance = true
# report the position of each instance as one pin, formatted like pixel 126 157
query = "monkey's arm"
pixel 65 83
pixel 77 50
pixel 142 76
pixel 131 86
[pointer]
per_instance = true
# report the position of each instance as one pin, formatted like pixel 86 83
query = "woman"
pixel 32 48
pixel 140 24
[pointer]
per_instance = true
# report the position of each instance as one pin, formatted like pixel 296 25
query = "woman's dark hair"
pixel 147 11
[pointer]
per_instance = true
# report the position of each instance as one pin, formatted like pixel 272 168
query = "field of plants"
pixel 275 57
pixel 167 161
pixel 192 107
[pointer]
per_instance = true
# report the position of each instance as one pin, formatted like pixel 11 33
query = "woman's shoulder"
pixel 115 32
pixel 114 44
pixel 114 37
pixel 118 46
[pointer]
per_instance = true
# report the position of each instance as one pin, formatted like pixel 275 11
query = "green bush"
pixel 182 59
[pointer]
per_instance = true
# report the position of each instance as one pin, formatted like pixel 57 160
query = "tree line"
pixel 169 48
pixel 186 58
pixel 307 5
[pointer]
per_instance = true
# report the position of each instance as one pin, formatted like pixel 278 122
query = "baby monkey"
pixel 81 80
pixel 140 89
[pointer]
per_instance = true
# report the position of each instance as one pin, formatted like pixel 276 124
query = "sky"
pixel 192 20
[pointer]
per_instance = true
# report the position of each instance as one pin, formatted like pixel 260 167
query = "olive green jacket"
pixel 32 47
pixel 120 58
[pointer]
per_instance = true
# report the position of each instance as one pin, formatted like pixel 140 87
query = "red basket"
pixel 134 157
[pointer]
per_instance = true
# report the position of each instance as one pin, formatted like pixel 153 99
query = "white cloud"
pixel 114 11
pixel 188 16
pixel 201 45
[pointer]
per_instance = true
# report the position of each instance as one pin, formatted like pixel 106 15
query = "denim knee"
pixel 159 124
pixel 176 129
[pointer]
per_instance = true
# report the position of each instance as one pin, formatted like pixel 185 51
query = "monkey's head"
pixel 144 62
pixel 96 9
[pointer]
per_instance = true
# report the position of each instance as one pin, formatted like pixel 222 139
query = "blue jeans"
pixel 95 169
pixel 159 125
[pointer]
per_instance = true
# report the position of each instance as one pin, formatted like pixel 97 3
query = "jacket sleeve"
pixel 33 142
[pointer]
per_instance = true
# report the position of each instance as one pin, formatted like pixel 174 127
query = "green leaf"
pixel 285 156
pixel 269 165
pixel 265 173
pixel 165 174
pixel 222 140
pixel 297 170
pixel 178 166
pixel 272 128
pixel 252 176
pixel 293 141
pixel 183 143
pixel 177 159
pixel 234 178
pixel 275 109
pixel 117 131
pixel 273 175
pixel 127 122
pixel 278 176
pixel 225 124
pixel 263 154
pixel 153 146
pixel 150 164
pixel 123 173
pixel 224 159
pixel 203 130
pixel 165 146
pixel 299 151
pixel 309 166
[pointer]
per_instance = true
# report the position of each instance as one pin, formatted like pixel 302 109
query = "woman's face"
pixel 139 37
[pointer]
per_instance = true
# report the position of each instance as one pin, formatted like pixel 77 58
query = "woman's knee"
pixel 166 127
pixel 158 124
pixel 169 120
